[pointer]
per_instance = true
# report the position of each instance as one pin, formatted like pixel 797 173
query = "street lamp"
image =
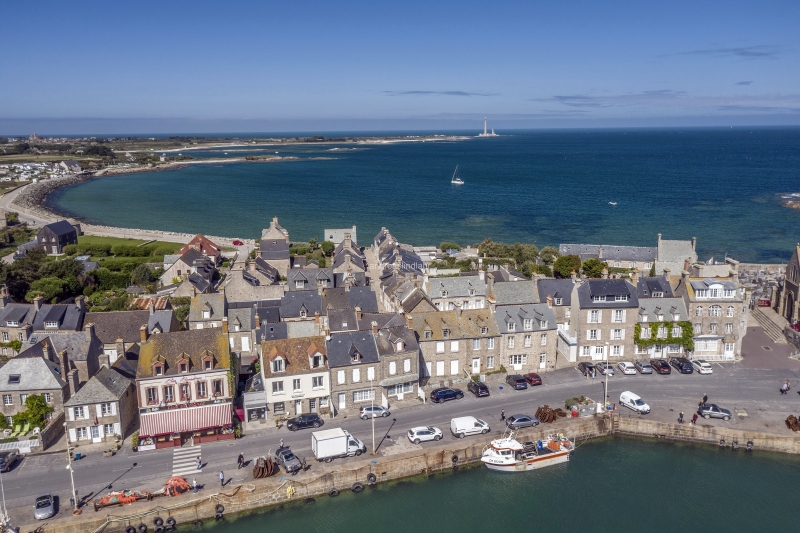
pixel 71 474
pixel 372 411
pixel 605 401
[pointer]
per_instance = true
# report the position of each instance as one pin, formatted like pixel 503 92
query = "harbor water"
pixel 724 186
pixel 610 484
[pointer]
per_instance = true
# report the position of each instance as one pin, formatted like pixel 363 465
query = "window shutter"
pixel 99 410
pixel 245 344
pixel 624 314
pixel 114 409
pixel 72 436
pixel 101 430
pixel 600 315
pixel 589 317
pixel 588 334
pixel 117 429
pixel 407 365
pixel 71 412
pixel 623 333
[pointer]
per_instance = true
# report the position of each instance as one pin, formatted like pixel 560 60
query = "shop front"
pixel 175 427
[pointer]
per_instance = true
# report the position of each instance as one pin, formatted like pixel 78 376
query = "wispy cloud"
pixel 744 83
pixel 584 100
pixel 760 51
pixel 440 93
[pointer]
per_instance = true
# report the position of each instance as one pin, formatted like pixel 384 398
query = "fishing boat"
pixel 612 203
pixel 506 454
pixel 456 180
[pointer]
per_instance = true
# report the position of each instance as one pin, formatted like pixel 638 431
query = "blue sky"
pixel 170 66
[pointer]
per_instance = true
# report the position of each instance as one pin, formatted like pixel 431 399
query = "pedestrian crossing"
pixel 184 461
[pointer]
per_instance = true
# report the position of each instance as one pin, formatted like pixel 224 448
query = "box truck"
pixel 329 444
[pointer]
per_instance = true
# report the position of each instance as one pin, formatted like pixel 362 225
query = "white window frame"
pixel 490 361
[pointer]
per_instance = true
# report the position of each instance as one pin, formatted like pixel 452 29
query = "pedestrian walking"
pixel 694 419
pixel 280 444
pixel 198 462
pixel 241 460
pixel 194 485
pixel 221 478
pixel 502 415
pixel 680 418
pixel 705 398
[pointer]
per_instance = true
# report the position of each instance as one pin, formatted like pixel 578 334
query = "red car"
pixel 533 378
pixel 237 242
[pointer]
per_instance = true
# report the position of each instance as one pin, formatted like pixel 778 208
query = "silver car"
pixel 44 507
pixel 604 366
pixel 712 410
pixel 373 411
pixel 643 367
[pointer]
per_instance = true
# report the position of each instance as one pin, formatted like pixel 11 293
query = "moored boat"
pixel 506 454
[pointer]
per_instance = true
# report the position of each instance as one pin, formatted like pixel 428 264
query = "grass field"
pixel 22 158
pixel 115 241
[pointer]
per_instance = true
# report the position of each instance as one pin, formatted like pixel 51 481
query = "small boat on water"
pixel 456 180
pixel 612 203
pixel 506 454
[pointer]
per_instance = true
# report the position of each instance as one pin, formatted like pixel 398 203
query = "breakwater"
pixel 344 475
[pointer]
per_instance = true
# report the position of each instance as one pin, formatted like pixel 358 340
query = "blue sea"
pixel 723 186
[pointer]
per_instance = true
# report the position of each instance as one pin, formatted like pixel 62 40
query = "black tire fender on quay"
pixel 333 491
pixel 142 528
pixel 454 458
pixel 357 487
pixel 218 516
pixel 219 508
pixel 158 529
pixel 158 521
pixel 371 478
pixel 130 529
pixel 171 523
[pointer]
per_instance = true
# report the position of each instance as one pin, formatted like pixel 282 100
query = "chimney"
pixel 80 301
pixel 348 243
pixel 316 317
pixel 604 275
pixel 89 330
pixel 666 272
pixel 686 263
pixel 410 321
pixel 225 325
pixel 549 300
pixel 258 320
pixel 120 350
pixel 659 238
pixel 348 280
pixel 359 314
pixel 73 381
pixel 143 333
pixel 37 303
pixel 152 307
pixel 374 328
pixel 635 276
pixel 46 351
pixel 64 362
pixel 481 273
pixel 694 244
pixel 258 253
pixel 600 253
pixel 490 286
pixel 573 276
pixel 3 296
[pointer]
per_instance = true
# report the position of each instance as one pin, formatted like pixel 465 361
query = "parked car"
pixel 702 366
pixel 445 394
pixel 44 507
pixel 605 366
pixel 587 369
pixel 521 421
pixel 712 410
pixel 468 425
pixel 660 366
pixel 373 411
pixel 288 460
pixel 533 378
pixel 478 388
pixel 310 420
pixel 626 367
pixel 7 460
pixel 634 402
pixel 424 433
pixel 643 367
pixel 517 381
pixel 237 242
pixel 682 365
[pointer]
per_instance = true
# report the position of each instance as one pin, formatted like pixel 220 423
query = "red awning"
pixel 181 420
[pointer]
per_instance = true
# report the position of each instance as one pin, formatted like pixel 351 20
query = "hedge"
pixel 107 280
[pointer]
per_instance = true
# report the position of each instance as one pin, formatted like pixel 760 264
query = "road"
pixel 731 386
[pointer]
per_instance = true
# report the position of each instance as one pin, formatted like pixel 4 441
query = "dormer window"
pixel 183 367
pixel 316 361
pixel 278 365
pixel 444 294
pixel 428 334
pixel 208 363
pixel 472 292
pixel 206 313
pixel 658 294
pixel 446 333
pixel 299 284
pixel 598 298
pixel 676 317
pixel 399 346
pixel 528 323
pixel 355 357
pixel 621 298
pixel 14 378
pixel 484 330
pixel 558 301
pixel 51 324
pixel 661 318
pixel 12 323
pixel 511 326
pixel 158 369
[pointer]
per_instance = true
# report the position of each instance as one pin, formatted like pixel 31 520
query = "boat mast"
pixel 484 125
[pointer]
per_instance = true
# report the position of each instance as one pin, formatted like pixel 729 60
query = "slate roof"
pixel 118 324
pixel 515 292
pixel 268 271
pixel 108 385
pixel 543 318
pixel 269 332
pixel 303 328
pixel 35 373
pixel 172 347
pixel 342 320
pixel 363 297
pixel 702 284
pixel 342 346
pixel 274 249
pixel 62 227
pixel 384 320
pixel 274 231
pixel 382 235
pixel 611 252
pixel 504 274
pixel 310 278
pixel 455 287
pixel 386 340
pixel 216 302
pixel 293 302
pixel 250 286
pixel 646 287
pixel 609 288
pixel 171 259
pixel 244 317
pixel 467 326
pixel 557 288
pixel 68 316
pixel 296 354
pixel 20 313
pixel 676 252
pixel 357 279
pixel 417 300
pixel 356 260
pixel 652 307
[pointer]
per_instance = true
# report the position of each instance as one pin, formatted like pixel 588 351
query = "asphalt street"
pixel 731 386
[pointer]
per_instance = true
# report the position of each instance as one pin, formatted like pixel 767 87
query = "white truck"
pixel 329 444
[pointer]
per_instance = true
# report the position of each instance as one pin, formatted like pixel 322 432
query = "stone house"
pixel 640 257
pixel 716 306
pixel 355 369
pixel 310 279
pixel 16 322
pixel 558 294
pixel 398 352
pixel 54 318
pixel 672 254
pixel 296 377
pixel 349 298
pixel 53 237
pixel 120 331
pixel 788 304
pixel 183 389
pixel 205 246
pixel 83 348
pixel 528 337
pixel 666 313
pixel 512 293
pixel 243 322
pixel 301 305
pixel 337 235
pixel 207 310
pixel 456 344
pixel 253 283
pixel 190 262
pixel 467 292
pixel 105 407
pixel 603 319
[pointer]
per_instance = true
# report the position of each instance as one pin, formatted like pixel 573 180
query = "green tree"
pixel 549 254
pixel 12 217
pixel 48 288
pixel 142 275
pixel 449 246
pixel 565 265
pixel 593 268
pixel 35 413
pixel 313 243
pixel 653 270
pixel 327 248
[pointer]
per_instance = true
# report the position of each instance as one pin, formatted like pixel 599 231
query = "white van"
pixel 467 425
pixel 633 401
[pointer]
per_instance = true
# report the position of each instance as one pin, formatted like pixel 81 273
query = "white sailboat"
pixel 456 180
